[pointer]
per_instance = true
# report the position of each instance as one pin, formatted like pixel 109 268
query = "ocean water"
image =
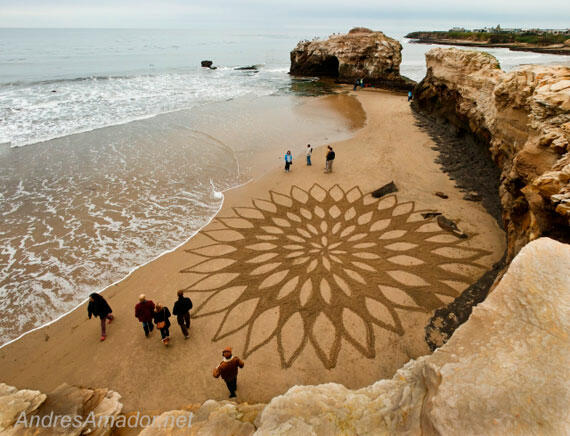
pixel 58 82
pixel 116 144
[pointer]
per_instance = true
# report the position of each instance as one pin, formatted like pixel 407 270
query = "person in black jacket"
pixel 161 315
pixel 182 312
pixel 99 307
pixel 329 160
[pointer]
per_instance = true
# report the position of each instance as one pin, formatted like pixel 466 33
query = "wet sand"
pixel 308 277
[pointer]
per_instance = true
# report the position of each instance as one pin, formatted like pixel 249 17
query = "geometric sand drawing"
pixel 322 266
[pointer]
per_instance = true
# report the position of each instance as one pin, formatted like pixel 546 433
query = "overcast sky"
pixel 328 14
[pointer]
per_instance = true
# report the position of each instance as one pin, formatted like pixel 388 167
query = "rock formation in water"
pixel 360 54
pixel 524 117
pixel 503 372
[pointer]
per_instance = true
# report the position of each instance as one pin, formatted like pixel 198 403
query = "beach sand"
pixel 308 278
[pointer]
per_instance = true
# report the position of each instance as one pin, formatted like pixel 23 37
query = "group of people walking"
pixel 308 153
pixel 150 314
pixel 147 312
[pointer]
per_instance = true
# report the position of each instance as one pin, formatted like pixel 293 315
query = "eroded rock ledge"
pixel 503 372
pixel 359 54
pixel 524 118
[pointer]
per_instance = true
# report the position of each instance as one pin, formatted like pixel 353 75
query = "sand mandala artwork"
pixel 321 266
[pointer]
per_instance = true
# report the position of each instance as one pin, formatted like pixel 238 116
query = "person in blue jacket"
pixel 288 160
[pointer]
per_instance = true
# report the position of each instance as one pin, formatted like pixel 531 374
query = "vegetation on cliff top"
pixel 492 38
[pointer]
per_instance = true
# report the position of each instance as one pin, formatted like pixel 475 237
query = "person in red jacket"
pixel 144 311
pixel 228 369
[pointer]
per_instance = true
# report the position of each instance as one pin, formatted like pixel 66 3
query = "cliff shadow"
pixel 468 161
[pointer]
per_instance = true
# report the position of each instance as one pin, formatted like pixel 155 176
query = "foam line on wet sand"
pixel 134 269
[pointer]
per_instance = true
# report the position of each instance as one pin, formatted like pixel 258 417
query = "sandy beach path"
pixel 307 276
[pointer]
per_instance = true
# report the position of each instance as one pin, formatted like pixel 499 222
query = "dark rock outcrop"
pixel 385 190
pixel 248 68
pixel 208 64
pixel 360 54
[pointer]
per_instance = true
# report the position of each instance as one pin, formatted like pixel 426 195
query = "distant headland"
pixel 552 41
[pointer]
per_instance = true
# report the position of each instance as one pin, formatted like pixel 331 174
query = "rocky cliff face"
pixel 524 118
pixel 27 413
pixel 360 54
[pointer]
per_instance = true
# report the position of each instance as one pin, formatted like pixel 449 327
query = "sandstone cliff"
pixel 360 54
pixel 524 118
pixel 27 413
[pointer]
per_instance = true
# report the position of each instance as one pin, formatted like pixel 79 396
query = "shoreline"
pixel 512 47
pixel 163 273
pixel 133 270
pixel 190 178
pixel 256 171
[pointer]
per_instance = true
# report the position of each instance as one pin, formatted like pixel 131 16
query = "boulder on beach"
pixel 385 190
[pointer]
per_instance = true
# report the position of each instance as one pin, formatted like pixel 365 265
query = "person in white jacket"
pixel 308 153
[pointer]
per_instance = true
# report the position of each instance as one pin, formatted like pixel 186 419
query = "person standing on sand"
pixel 144 312
pixel 161 315
pixel 228 369
pixel 181 310
pixel 309 153
pixel 410 96
pixel 99 307
pixel 288 160
pixel 329 160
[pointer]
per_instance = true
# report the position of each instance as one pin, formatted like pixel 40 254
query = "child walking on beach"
pixel 288 160
pixel 99 307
